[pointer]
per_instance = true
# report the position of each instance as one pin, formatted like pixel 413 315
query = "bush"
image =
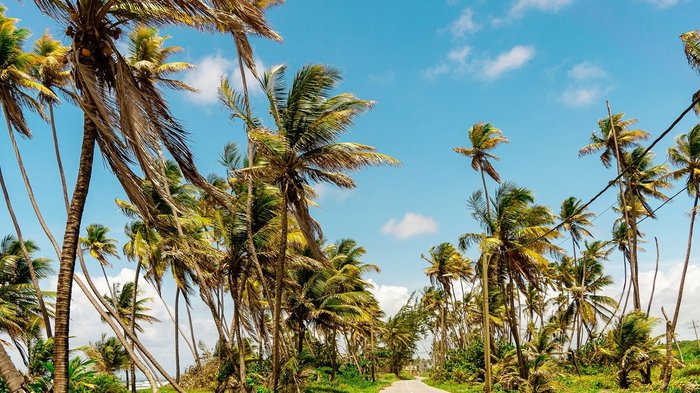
pixel 104 383
pixel 463 365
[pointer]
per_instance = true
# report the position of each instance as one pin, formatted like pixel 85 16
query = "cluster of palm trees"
pixel 248 234
pixel 524 282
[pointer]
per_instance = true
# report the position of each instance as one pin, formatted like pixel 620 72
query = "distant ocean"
pixel 143 383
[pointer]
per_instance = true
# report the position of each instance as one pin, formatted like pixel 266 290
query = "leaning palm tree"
pixel 685 155
pixel 16 89
pixel 691 47
pixel 305 149
pixel 125 120
pixel 122 302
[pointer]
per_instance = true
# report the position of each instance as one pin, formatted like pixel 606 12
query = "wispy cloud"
pixel 459 61
pixel 325 192
pixel 411 225
pixel 521 7
pixel 662 3
pixel 507 61
pixel 586 85
pixel 207 74
pixel 464 24
pixel 383 78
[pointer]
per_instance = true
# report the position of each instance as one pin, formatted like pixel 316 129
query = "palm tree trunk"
pixel 8 372
pixel 656 272
pixel 117 325
pixel 522 366
pixel 68 252
pixel 133 319
pixel 109 285
pixel 486 321
pixel 279 272
pixel 27 257
pixel 233 286
pixel 197 360
pixel 61 172
pixel 172 319
pixel 118 333
pixel 681 285
pixel 177 335
pixel 631 227
pixel 20 239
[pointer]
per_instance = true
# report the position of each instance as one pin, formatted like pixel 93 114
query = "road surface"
pixel 411 386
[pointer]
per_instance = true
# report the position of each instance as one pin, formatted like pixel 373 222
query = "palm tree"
pixel 305 149
pixel 108 354
pixel 685 155
pixel 483 137
pixel 446 266
pixel 15 95
pixel 100 247
pixel 630 345
pixel 614 137
pixel 122 303
pixel 51 70
pixel 108 90
pixel 691 47
pixel 19 304
pixel 518 235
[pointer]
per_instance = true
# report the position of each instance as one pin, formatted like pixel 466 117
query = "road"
pixel 412 386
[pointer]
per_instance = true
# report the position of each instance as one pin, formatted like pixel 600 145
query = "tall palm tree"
pixel 685 155
pixel 122 303
pixel 519 236
pixel 15 95
pixel 615 136
pixel 483 137
pixel 305 149
pixel 51 70
pixel 100 247
pixel 576 220
pixel 691 47
pixel 127 121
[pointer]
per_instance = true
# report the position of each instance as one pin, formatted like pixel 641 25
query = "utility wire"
pixel 658 139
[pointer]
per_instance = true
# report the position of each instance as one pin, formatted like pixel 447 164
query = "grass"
pixel 353 385
pixel 171 390
pixel 604 382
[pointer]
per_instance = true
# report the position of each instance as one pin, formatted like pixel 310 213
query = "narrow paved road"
pixel 412 386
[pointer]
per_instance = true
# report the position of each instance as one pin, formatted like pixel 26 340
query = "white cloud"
pixel 207 74
pixel 390 297
pixel 520 7
pixel 666 293
pixel 459 61
pixel 586 70
pixel 581 96
pixel 662 3
pixel 383 78
pixel 464 24
pixel 587 85
pixel 326 192
pixel 411 225
pixel 510 60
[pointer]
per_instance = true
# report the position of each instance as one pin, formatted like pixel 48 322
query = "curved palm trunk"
pixel 27 257
pixel 9 373
pixel 133 319
pixel 233 286
pixel 522 365
pixel 57 151
pixel 656 272
pixel 486 322
pixel 30 265
pixel 197 360
pixel 68 252
pixel 681 286
pixel 118 325
pixel 118 333
pixel 279 272
pixel 177 336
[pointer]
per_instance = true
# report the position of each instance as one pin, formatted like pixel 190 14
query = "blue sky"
pixel 540 70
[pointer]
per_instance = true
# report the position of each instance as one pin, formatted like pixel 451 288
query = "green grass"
pixel 356 385
pixel 171 390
